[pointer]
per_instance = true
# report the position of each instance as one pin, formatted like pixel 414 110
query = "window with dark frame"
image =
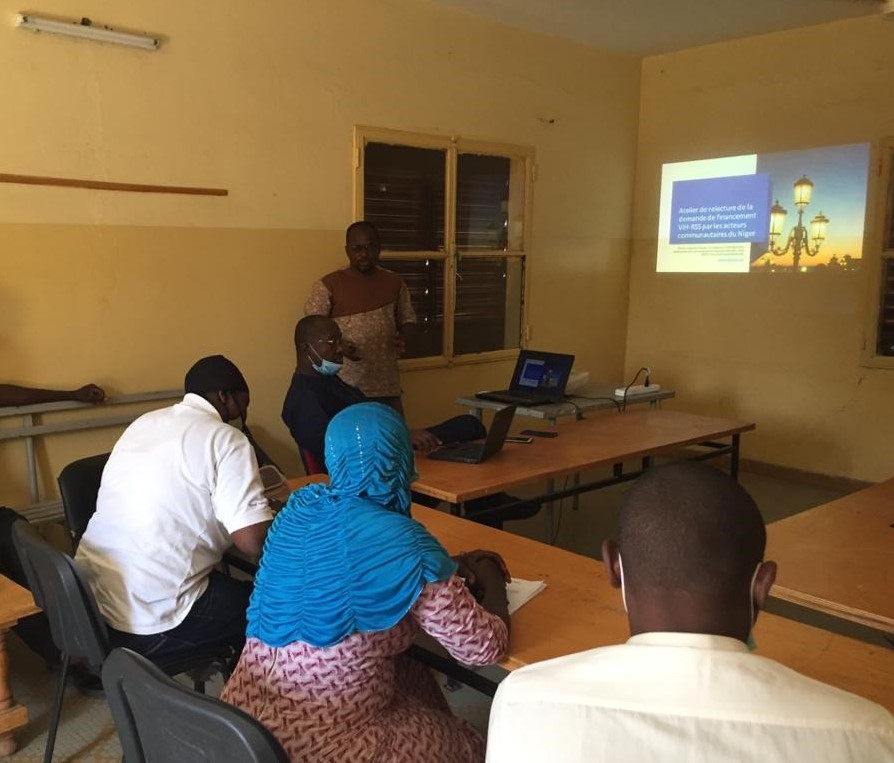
pixel 406 193
pixel 886 310
pixel 885 327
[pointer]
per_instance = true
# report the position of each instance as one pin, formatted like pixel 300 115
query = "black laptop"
pixel 476 452
pixel 539 377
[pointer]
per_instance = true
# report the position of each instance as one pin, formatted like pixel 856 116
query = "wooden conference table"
pixel 15 603
pixel 605 440
pixel 838 558
pixel 580 610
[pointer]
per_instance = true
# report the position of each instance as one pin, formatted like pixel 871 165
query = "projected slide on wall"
pixel 795 212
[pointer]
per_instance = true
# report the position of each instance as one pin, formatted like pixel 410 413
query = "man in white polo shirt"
pixel 685 687
pixel 180 487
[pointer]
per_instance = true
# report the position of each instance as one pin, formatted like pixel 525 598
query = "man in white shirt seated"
pixel 180 487
pixel 685 687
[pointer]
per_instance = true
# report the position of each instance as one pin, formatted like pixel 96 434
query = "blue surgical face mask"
pixel 324 367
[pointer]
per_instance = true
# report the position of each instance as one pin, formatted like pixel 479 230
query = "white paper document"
pixel 519 592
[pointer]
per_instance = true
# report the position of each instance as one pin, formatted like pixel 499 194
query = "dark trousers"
pixel 216 619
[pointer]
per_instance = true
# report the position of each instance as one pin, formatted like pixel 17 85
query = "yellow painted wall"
pixel 782 351
pixel 128 289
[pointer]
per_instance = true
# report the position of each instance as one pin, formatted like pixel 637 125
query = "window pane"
pixel 482 202
pixel 886 310
pixel 403 195
pixel 889 213
pixel 425 281
pixel 488 304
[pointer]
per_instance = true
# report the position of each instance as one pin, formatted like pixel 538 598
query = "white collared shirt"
pixel 680 697
pixel 178 482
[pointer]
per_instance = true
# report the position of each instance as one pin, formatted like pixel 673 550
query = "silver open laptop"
pixel 476 452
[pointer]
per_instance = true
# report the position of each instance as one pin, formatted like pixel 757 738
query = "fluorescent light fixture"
pixel 86 30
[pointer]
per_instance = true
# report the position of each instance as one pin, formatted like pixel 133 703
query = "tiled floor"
pixel 87 733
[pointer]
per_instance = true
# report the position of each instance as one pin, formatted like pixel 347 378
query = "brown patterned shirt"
pixel 369 309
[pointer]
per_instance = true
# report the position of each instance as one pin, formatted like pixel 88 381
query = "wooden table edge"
pixel 469 495
pixel 818 604
pixel 10 617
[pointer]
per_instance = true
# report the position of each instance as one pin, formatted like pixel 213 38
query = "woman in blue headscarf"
pixel 346 581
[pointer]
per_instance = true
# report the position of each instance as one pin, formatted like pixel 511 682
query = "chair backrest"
pixel 311 464
pixel 65 597
pixel 79 486
pixel 260 454
pixel 159 720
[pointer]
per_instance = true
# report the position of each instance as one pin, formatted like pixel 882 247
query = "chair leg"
pixel 57 710
pixel 231 664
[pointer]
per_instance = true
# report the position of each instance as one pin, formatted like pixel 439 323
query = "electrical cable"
pixel 578 411
pixel 584 397
pixel 633 381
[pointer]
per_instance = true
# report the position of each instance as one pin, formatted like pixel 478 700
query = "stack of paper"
pixel 519 592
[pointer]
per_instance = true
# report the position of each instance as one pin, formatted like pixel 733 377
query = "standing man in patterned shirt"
pixel 372 308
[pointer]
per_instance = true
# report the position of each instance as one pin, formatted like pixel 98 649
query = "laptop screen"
pixel 545 372
pixel 499 428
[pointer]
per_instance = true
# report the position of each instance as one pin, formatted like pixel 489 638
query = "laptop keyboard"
pixel 464 452
pixel 515 397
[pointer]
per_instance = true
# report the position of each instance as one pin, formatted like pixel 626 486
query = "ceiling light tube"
pixel 85 31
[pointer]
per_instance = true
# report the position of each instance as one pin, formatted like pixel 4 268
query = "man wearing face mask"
pixel 180 487
pixel 685 687
pixel 317 393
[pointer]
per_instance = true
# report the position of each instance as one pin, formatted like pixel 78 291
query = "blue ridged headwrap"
pixel 347 556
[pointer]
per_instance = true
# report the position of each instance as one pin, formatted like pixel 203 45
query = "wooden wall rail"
pixel 101 185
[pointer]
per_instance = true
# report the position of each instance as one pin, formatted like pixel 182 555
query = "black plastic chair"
pixel 78 629
pixel 160 721
pixel 79 487
pixel 260 454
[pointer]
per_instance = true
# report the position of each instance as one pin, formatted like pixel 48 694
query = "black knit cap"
pixel 214 374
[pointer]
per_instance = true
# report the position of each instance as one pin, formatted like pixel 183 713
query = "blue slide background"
pixel 728 210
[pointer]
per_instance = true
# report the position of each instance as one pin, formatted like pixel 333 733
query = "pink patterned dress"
pixel 362 700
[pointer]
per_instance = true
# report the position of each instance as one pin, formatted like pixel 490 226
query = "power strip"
pixel 637 389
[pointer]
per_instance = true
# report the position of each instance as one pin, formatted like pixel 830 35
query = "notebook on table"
pixel 538 378
pixel 519 592
pixel 476 452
